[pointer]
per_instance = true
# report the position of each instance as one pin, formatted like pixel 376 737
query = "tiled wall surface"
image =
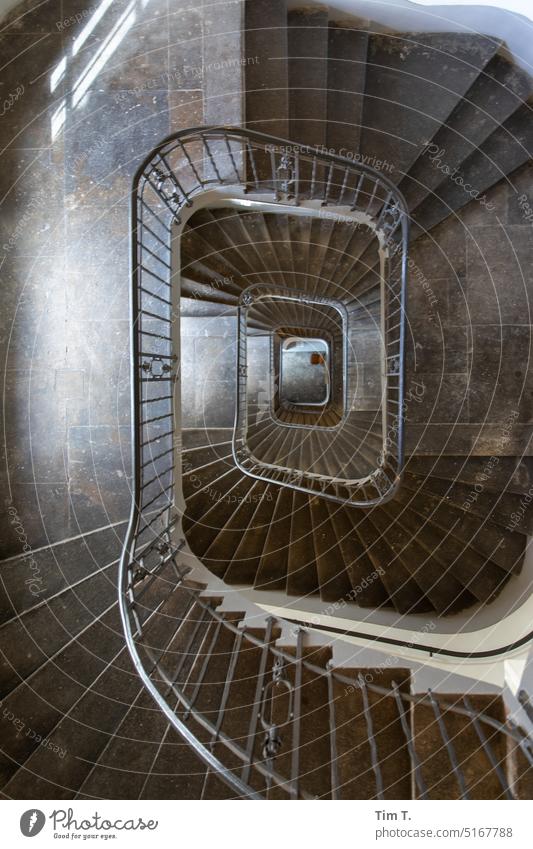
pixel 93 86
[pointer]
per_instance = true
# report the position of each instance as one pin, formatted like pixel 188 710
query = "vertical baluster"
pixel 371 739
pixel 256 706
pixel 329 180
pixel 406 728
pixel 372 196
pixel 344 185
pixel 211 158
pixel 313 178
pixel 357 191
pixel 457 771
pixel 232 158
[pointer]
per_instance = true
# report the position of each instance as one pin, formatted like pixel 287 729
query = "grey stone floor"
pixel 93 98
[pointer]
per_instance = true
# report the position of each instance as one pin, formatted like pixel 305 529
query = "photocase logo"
pixel 32 822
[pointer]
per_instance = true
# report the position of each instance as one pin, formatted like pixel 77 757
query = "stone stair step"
pixel 420 560
pixel 477 574
pixel 222 550
pixel 498 506
pixel 367 589
pixel 505 150
pixel 333 577
pixel 404 591
pixel 221 507
pixel 244 566
pixel 504 548
pixel 267 95
pixel 273 566
pixel 302 573
pixel 414 81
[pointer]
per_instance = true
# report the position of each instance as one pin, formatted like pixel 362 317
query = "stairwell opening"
pixel 304 375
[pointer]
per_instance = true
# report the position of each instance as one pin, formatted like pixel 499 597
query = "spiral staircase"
pixel 303 225
pixel 283 538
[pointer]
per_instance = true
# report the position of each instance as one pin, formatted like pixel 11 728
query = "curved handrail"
pixel 285 668
pixel 151 547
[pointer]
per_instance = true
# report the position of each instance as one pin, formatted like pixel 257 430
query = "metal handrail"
pixel 166 189
pixel 194 724
pixel 185 169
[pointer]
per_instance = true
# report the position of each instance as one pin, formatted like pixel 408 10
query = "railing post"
pixel 457 771
pixel 297 718
pixel 161 195
pixel 333 754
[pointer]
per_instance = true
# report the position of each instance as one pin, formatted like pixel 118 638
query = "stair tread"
pixel 498 506
pixel 414 81
pixel 404 592
pixel 438 584
pixel 244 566
pixel 503 547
